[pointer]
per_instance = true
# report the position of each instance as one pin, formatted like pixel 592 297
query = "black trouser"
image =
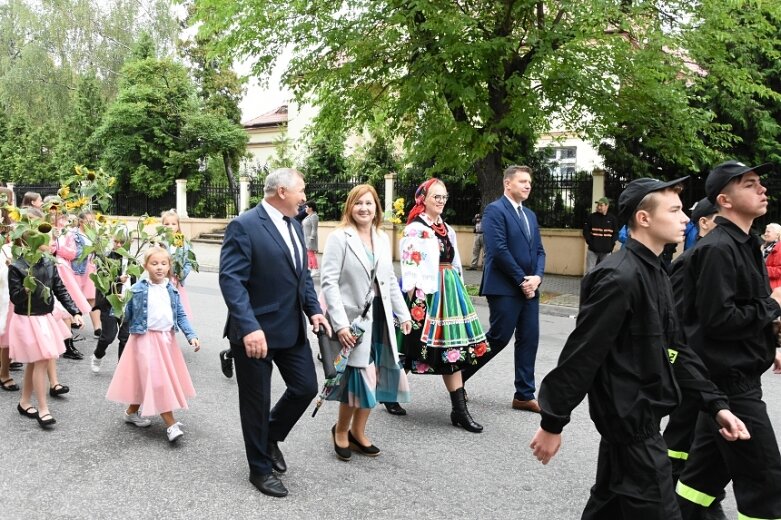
pixel 259 423
pixel 679 433
pixel 109 330
pixel 633 483
pixel 753 465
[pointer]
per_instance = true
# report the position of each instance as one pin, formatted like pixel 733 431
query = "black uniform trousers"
pixel 753 465
pixel 633 483
pixel 259 425
pixel 679 432
pixel 110 329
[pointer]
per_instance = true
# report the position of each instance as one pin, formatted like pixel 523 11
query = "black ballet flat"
pixel 58 390
pixel 370 451
pixel 342 453
pixel 45 423
pixel 26 411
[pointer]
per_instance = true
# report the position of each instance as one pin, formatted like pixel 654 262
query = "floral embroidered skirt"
pixel 446 332
pixel 383 381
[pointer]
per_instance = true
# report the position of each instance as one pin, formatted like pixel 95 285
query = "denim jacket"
pixel 79 266
pixel 136 310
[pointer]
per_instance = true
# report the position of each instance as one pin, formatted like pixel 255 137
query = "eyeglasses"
pixel 440 198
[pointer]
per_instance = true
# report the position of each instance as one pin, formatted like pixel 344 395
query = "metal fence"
pixel 136 204
pixel 562 200
pixel 213 199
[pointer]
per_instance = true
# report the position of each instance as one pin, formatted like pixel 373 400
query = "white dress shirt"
pixel 279 221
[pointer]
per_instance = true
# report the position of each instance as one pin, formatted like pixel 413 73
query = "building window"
pixel 562 161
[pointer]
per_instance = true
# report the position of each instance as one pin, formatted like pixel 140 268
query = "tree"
pixel 148 134
pixel 464 81
pixel 738 45
pixel 731 108
pixel 220 90
pixel 76 144
pixel 325 159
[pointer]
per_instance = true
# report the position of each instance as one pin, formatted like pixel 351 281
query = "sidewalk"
pixel 561 292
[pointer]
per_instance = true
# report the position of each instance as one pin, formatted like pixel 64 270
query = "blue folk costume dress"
pixel 446 331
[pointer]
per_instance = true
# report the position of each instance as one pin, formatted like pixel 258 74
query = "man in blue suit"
pixel 267 287
pixel 514 264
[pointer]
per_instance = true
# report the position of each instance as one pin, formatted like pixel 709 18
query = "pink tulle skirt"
pixel 152 373
pixel 185 301
pixel 74 287
pixel 35 338
pixel 85 284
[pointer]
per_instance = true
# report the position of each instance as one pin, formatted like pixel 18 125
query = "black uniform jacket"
pixel 624 353
pixel 46 274
pixel 728 321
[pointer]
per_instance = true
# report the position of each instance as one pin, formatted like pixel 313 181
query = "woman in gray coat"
pixel 357 270
pixel 310 224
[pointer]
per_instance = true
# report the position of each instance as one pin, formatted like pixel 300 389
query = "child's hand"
pixel 196 344
pixel 123 278
pixel 78 321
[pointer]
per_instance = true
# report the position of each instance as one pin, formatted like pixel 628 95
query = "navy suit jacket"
pixel 259 282
pixel 510 253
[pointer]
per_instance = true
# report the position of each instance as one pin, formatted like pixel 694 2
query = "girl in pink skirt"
pixel 170 219
pixel 151 376
pixel 35 335
pixel 83 267
pixel 65 250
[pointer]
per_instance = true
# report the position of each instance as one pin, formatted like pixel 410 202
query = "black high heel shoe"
pixel 395 409
pixel 370 451
pixel 342 453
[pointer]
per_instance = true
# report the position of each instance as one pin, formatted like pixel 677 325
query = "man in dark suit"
pixel 514 264
pixel 267 287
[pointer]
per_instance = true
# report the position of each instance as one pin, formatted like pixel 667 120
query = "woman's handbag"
pixel 330 346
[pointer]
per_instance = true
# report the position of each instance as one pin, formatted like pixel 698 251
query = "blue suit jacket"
pixel 510 253
pixel 259 282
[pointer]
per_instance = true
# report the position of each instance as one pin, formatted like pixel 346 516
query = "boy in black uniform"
pixel 734 332
pixel 623 353
pixel 679 432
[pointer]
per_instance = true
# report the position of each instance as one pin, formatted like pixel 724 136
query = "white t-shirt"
pixel 160 316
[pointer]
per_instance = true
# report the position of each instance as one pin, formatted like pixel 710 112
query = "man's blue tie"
pixel 522 216
pixel 296 254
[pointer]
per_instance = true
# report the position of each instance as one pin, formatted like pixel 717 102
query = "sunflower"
pixel 148 221
pixel 178 239
pixel 44 227
pixel 14 215
pixel 91 176
pixel 64 192
pixel 112 181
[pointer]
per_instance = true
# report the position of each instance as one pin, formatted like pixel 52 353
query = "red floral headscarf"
pixel 420 196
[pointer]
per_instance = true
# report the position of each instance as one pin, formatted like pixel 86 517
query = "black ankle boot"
pixel 71 352
pixel 460 415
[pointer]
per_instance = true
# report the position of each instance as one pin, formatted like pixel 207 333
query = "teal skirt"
pixel 383 381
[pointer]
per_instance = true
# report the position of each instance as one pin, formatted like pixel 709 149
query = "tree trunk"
pixel 226 160
pixel 489 178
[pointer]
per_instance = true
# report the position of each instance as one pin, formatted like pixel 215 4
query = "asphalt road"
pixel 93 465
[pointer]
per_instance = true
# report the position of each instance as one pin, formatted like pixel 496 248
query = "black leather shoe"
pixel 371 451
pixel 395 409
pixel 58 389
pixel 97 332
pixel 15 365
pixel 277 459
pixel 342 453
pixel 268 485
pixel 226 363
